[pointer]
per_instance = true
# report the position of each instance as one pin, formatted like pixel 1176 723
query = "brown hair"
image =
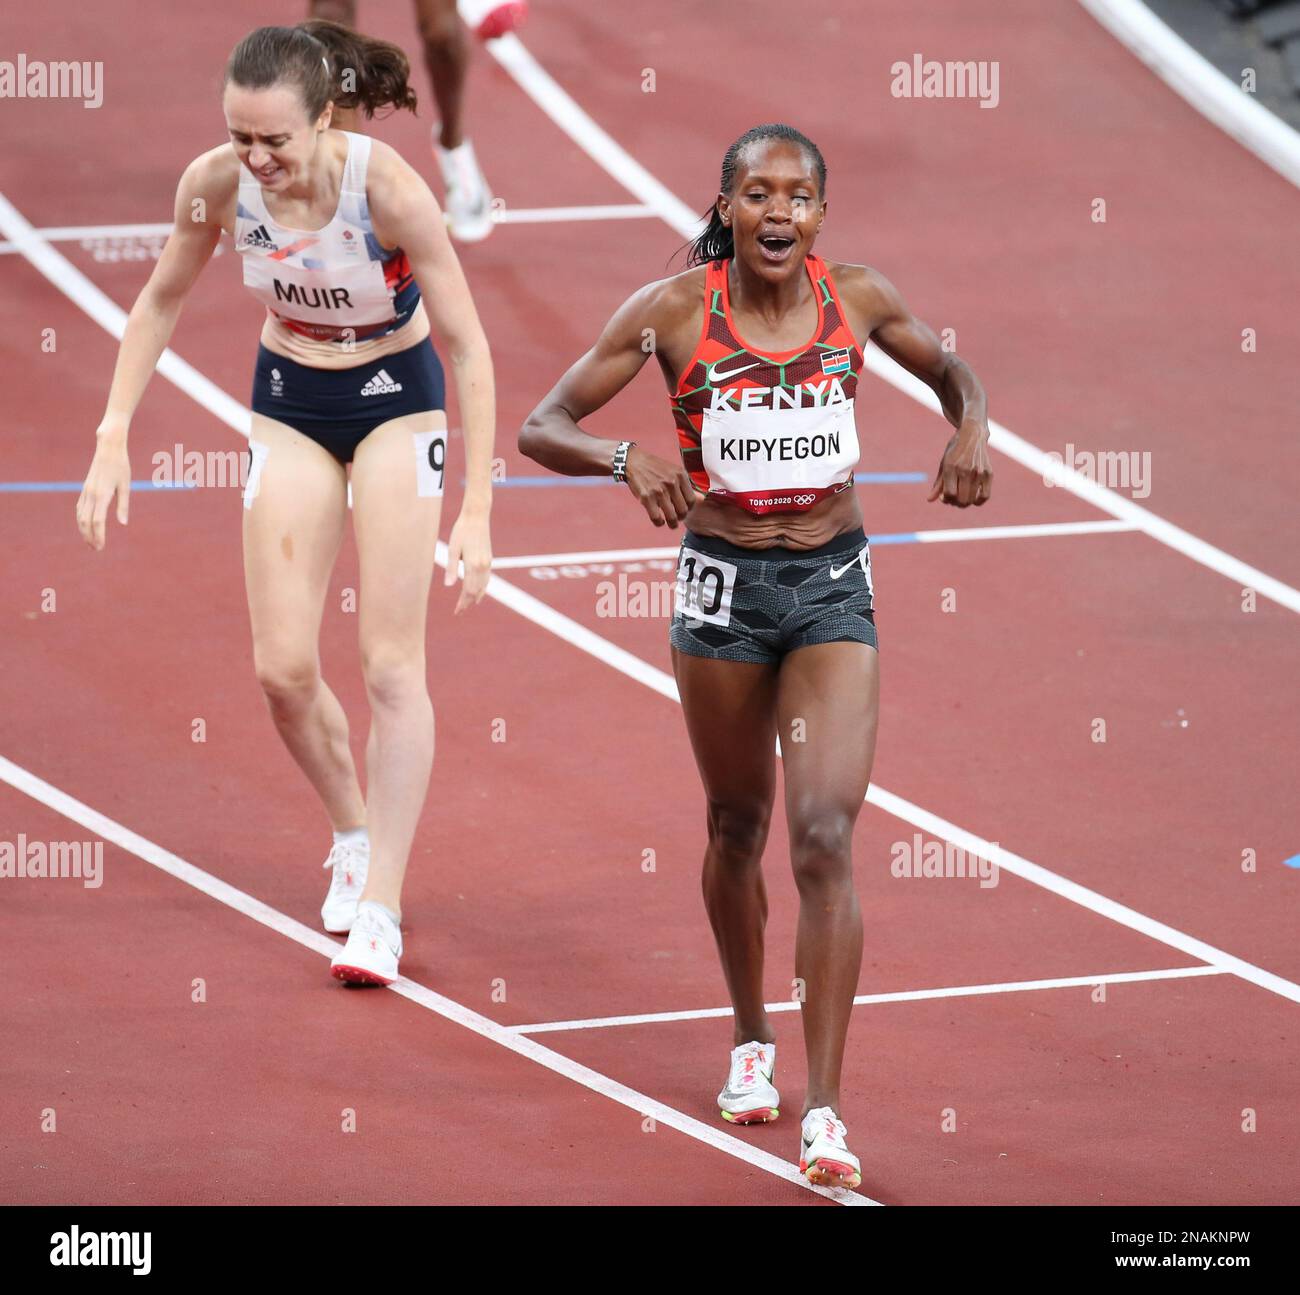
pixel 325 61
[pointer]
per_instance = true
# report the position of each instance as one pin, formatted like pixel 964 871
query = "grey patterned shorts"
pixel 735 604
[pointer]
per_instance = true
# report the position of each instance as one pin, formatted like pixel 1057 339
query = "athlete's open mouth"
pixel 775 247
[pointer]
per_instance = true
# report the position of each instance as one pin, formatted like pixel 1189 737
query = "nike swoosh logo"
pixel 835 575
pixel 716 376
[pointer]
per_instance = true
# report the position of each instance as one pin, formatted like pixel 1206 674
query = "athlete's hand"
pixel 471 541
pixel 965 476
pixel 663 489
pixel 109 477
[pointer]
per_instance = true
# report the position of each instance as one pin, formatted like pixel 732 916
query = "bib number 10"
pixel 704 588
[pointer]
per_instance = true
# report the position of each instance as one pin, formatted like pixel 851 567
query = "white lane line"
pixel 947 535
pixel 664 684
pixel 504 215
pixel 112 318
pixel 606 152
pixel 550 215
pixel 39 790
pixel 904 996
pixel 1201 84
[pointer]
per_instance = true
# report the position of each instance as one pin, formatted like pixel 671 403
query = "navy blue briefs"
pixel 339 408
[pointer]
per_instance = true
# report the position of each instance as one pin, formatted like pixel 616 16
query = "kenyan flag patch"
pixel 835 362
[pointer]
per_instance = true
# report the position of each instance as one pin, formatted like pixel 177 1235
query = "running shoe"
pixel 749 1097
pixel 824 1158
pixel 469 200
pixel 373 948
pixel 350 863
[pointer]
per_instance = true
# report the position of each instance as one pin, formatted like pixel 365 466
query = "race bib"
pixel 704 587
pixel 758 451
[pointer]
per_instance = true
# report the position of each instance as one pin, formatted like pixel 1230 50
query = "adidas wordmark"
pixel 381 385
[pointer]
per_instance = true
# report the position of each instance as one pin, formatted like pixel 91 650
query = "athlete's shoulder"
pixel 866 293
pixel 674 298
pixel 213 172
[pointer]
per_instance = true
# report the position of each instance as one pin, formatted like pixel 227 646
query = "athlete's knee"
pixel 738 831
pixel 288 679
pixel 440 27
pixel 395 676
pixel 821 846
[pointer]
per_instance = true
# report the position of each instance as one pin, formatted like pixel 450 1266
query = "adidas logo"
pixel 260 238
pixel 381 385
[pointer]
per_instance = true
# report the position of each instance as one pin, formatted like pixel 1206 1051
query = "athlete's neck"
pixel 768 299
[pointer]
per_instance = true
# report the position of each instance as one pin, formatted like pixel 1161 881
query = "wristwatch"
pixel 620 460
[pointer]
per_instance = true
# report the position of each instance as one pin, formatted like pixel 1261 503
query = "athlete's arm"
pixel 406 215
pixel 551 435
pixel 201 197
pixel 965 475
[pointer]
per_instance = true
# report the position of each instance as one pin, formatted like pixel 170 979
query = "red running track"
pixel 527 873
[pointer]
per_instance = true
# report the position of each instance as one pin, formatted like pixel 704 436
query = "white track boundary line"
pixel 70 281
pixel 46 794
pixel 903 996
pixel 502 216
pixel 1200 83
pixel 556 102
pixel 947 535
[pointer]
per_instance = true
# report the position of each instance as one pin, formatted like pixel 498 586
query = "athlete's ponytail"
pixel 325 61
pixel 715 242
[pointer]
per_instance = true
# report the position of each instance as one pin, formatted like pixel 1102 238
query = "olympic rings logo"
pixel 805 499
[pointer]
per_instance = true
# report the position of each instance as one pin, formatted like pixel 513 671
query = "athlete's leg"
pixel 446 54
pixel 344 11
pixel 730 709
pixel 397 535
pixel 292 532
pixel 827 700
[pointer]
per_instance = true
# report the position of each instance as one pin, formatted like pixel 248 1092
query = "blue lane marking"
pixel 862 478
pixel 1292 862
pixel 899 537
pixel 74 487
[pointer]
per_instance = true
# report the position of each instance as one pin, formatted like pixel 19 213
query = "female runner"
pixel 343 243
pixel 773 631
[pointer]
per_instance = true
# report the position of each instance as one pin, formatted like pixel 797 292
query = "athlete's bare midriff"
pixel 810 529
pixel 318 354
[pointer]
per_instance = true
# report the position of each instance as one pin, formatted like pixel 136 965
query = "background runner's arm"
pixel 196 230
pixel 410 218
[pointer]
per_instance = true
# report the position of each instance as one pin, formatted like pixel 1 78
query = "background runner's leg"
pixel 397 535
pixel 446 55
pixel 292 533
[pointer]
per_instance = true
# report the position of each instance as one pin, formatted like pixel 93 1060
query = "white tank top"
pixel 331 284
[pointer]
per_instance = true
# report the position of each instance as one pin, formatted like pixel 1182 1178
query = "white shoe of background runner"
pixel 373 948
pixel 824 1158
pixel 350 864
pixel 749 1097
pixel 469 200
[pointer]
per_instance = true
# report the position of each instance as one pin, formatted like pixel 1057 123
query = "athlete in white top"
pixel 344 244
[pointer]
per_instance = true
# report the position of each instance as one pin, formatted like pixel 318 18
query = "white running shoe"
pixel 350 864
pixel 373 948
pixel 823 1157
pixel 469 200
pixel 749 1097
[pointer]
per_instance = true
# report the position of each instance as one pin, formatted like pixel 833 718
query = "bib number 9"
pixel 430 463
pixel 704 588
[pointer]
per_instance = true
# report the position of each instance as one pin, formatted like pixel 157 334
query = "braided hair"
pixel 716 242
